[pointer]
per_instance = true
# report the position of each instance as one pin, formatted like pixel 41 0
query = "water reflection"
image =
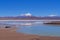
pixel 20 23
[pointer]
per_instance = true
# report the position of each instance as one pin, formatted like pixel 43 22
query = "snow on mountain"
pixel 52 15
pixel 27 14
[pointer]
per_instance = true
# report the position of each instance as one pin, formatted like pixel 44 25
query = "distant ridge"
pixel 29 16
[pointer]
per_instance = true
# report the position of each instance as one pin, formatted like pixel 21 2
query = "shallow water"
pixel 43 30
pixel 36 28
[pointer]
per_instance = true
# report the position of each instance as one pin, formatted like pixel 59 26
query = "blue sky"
pixel 35 7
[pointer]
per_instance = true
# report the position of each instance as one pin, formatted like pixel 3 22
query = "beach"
pixel 11 34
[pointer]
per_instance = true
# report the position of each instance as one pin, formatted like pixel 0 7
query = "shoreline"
pixel 53 23
pixel 11 34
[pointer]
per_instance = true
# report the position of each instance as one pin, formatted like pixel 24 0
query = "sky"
pixel 35 7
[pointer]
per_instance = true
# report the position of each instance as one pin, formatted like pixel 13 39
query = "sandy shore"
pixel 10 34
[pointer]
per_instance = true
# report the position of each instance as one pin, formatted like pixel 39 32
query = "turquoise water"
pixel 43 30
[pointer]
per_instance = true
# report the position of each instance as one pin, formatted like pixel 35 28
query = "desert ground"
pixel 11 34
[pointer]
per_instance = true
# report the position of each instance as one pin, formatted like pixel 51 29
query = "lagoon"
pixel 42 30
pixel 36 28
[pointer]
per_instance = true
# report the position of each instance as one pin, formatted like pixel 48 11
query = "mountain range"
pixel 30 18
